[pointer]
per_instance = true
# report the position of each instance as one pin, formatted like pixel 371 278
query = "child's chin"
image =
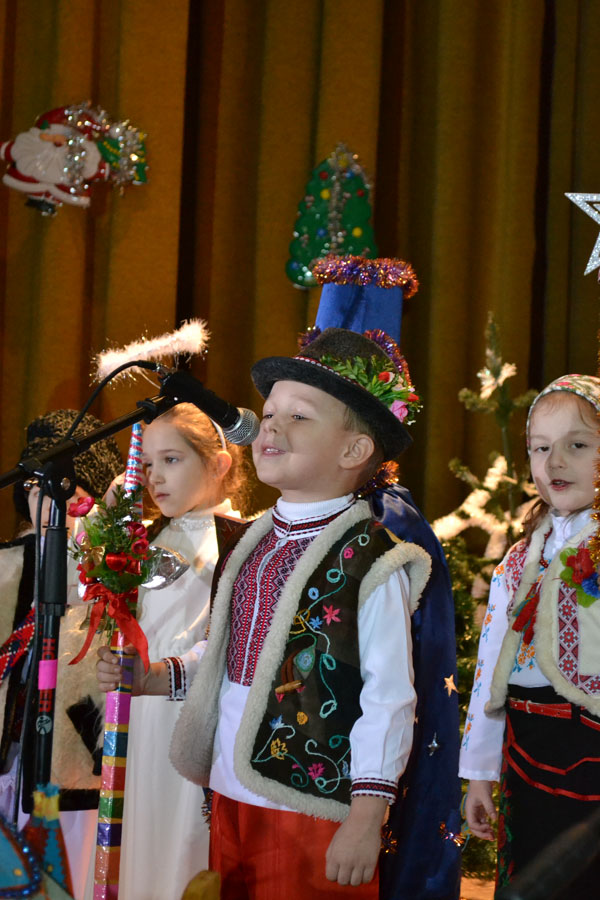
pixel 266 472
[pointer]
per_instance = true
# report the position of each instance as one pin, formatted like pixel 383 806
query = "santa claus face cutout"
pixel 67 149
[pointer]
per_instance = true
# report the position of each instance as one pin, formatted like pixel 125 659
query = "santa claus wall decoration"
pixel 66 150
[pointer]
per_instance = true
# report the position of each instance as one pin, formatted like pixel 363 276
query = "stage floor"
pixel 474 889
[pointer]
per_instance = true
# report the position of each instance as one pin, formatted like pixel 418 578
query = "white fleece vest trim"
pixel 546 626
pixel 191 747
pixel 190 753
pixel 416 562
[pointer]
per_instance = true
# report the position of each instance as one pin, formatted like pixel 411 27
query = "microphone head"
pixel 245 429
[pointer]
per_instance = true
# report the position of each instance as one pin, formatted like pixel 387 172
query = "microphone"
pixel 240 426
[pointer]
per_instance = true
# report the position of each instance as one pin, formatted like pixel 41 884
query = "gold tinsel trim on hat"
pixel 383 272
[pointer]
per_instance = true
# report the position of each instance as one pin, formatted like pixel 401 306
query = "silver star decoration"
pixel 433 746
pixel 590 204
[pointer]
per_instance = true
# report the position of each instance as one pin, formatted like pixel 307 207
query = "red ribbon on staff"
pixel 117 608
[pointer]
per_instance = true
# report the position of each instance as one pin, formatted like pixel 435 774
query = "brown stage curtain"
pixel 473 116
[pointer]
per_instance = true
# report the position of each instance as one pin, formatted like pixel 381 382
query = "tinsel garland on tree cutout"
pixel 333 216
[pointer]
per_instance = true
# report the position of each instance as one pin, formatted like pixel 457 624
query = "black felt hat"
pixel 95 468
pixel 345 352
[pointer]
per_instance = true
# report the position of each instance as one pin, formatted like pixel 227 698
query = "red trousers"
pixel 267 854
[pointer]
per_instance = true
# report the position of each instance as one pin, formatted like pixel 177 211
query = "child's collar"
pixel 295 512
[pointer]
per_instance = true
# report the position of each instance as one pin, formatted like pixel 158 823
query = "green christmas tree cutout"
pixel 333 217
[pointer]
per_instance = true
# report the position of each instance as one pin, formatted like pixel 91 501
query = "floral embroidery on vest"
pixel 580 574
pixel 303 739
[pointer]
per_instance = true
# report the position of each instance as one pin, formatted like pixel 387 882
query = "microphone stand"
pixel 55 470
pixel 59 483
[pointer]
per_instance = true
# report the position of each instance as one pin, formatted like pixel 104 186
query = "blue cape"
pixel 426 865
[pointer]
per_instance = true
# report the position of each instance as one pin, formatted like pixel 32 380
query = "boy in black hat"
pixel 301 712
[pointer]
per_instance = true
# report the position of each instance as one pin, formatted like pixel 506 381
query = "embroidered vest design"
pixel 513 568
pixel 567 633
pixel 569 623
pixel 303 740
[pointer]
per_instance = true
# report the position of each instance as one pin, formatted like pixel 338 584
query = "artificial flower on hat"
pixel 366 372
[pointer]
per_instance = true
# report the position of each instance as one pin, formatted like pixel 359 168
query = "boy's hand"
pixel 352 855
pixel 108 674
pixel 480 809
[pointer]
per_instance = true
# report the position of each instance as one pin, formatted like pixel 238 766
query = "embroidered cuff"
pixel 374 788
pixel 177 677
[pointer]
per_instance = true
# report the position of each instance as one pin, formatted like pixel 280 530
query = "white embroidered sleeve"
pixel 481 748
pixel 381 738
pixel 182 670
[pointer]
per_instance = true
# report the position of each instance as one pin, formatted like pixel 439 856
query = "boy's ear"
pixel 358 451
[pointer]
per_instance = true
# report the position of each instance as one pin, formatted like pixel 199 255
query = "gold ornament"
pixel 449 685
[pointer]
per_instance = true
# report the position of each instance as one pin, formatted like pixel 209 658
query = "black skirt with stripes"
pixel 550 781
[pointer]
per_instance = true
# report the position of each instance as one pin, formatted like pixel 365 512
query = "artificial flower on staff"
pixel 114 558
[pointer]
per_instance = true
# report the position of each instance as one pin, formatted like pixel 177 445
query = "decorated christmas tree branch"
pixel 493 506
pixel 495 397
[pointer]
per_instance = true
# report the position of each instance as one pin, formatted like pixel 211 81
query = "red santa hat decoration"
pixel 67 149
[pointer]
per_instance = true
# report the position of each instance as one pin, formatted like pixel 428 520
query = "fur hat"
pixel 366 372
pixel 95 467
pixel 586 386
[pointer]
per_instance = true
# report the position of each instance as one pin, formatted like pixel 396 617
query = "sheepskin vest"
pixel 344 564
pixel 566 633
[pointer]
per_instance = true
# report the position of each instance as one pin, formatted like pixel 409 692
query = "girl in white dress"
pixel 191 474
pixel 534 718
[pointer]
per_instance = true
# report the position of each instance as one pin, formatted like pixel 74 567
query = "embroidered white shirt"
pixel 381 738
pixel 481 748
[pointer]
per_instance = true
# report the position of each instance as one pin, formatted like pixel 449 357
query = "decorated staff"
pixel 134 473
pixel 114 559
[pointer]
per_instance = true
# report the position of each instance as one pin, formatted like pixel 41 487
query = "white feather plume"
pixel 188 340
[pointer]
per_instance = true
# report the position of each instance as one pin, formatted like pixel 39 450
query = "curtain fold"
pixel 472 118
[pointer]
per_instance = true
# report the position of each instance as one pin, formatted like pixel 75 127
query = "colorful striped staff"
pixel 112 790
pixel 134 472
pixel 116 729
